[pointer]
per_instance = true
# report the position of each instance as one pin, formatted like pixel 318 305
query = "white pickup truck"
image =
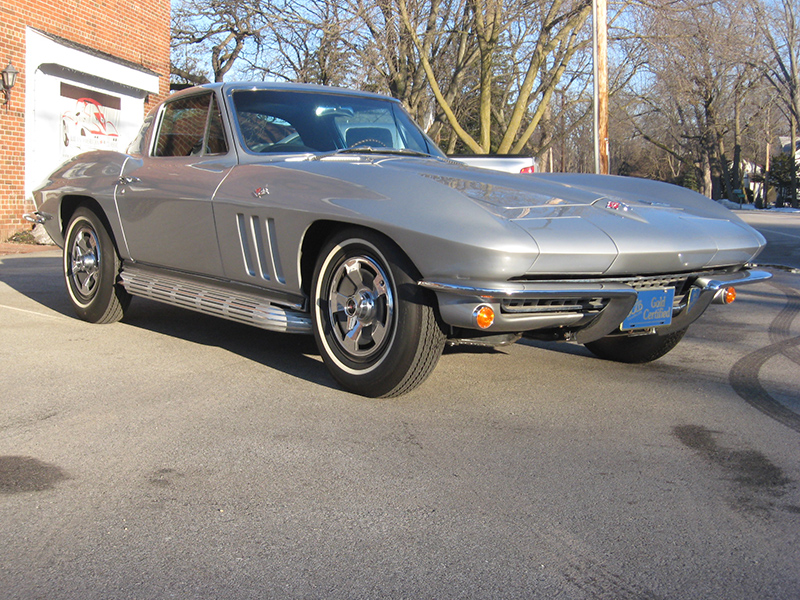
pixel 509 163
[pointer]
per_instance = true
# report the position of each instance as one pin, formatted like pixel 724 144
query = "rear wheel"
pixel 635 349
pixel 91 266
pixel 375 327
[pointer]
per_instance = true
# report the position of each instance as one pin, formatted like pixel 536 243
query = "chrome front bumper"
pixel 37 217
pixel 458 302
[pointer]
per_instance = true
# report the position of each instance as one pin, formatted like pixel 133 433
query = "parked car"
pixel 508 163
pixel 312 210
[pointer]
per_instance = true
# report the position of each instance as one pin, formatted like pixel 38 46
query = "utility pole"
pixel 600 64
pixel 793 152
pixel 765 185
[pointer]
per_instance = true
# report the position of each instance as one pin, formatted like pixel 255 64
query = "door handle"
pixel 127 180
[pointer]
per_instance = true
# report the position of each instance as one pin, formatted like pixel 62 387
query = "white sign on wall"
pixel 77 100
pixel 89 120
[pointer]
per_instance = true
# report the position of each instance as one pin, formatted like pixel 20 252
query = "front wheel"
pixel 91 266
pixel 635 349
pixel 374 326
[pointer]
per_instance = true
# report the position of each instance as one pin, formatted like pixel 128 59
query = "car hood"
pixel 605 224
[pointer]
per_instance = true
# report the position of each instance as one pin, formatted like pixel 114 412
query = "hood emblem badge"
pixel 261 192
pixel 616 205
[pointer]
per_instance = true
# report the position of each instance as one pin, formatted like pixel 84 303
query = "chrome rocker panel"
pixel 214 299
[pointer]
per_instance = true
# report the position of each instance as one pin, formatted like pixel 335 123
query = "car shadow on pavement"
pixel 294 354
pixel 39 279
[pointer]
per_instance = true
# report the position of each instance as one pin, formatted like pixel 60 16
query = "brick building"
pixel 88 71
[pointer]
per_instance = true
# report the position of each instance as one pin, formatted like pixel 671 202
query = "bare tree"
pixel 537 39
pixel 779 23
pixel 306 42
pixel 387 46
pixel 700 79
pixel 218 29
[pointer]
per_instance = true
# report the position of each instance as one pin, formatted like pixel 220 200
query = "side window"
pixel 184 123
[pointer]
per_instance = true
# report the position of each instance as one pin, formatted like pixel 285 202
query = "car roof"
pixel 282 86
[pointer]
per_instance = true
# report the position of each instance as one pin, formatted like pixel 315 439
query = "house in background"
pixel 87 73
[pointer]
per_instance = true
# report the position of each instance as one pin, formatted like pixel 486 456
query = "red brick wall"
pixel 133 30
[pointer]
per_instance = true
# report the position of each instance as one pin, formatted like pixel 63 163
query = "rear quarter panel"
pixel 90 177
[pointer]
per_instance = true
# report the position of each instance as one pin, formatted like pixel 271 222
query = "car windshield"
pixel 273 121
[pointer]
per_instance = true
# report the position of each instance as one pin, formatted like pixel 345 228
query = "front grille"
pixel 553 305
pixel 660 281
pixel 594 304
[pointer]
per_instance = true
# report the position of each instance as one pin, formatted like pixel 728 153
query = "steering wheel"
pixel 367 143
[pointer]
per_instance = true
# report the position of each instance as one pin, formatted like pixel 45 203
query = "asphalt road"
pixel 782 231
pixel 178 456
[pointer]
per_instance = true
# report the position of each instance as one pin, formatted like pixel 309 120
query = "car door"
pixel 165 195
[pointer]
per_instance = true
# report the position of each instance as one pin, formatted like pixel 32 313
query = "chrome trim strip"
pixel 272 241
pixel 214 300
pixel 245 246
pixel 116 208
pixel 521 290
pixel 549 309
pixel 710 286
pixel 582 288
pixel 719 281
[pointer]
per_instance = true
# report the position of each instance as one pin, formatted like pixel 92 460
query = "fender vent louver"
pixel 259 248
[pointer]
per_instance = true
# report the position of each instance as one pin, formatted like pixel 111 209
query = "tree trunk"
pixel 706 183
pixel 736 172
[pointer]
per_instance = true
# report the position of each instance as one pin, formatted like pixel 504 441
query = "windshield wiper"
pixel 378 150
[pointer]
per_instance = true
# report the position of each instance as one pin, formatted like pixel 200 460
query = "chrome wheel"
pixel 360 306
pixel 375 328
pixel 84 259
pixel 91 267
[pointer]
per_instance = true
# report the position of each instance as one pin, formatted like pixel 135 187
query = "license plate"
pixel 653 308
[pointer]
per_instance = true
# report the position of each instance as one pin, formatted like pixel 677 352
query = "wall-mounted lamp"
pixel 9 75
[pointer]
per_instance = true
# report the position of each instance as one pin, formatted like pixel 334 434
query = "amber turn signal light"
pixel 728 295
pixel 484 316
pixel 725 295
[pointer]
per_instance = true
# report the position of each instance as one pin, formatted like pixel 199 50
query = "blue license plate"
pixel 653 308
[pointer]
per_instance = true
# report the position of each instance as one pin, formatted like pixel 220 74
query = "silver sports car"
pixel 305 209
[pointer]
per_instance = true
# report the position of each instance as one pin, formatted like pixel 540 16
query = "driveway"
pixel 177 456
